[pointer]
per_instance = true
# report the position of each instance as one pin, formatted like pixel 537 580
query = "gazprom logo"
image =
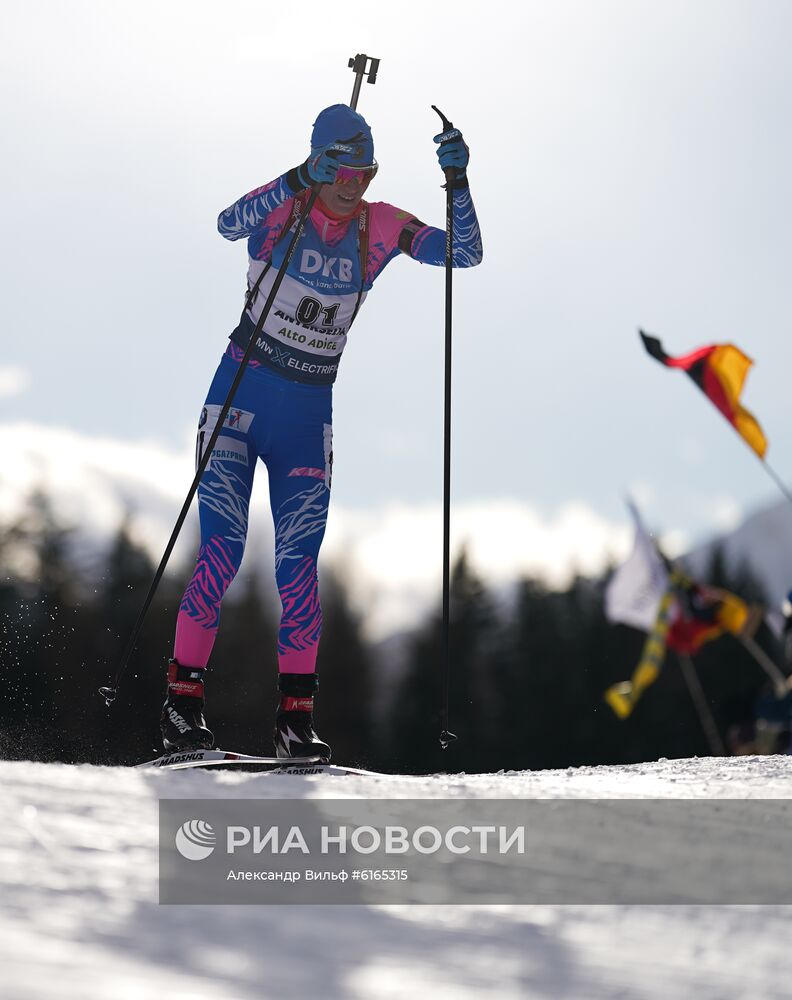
pixel 195 840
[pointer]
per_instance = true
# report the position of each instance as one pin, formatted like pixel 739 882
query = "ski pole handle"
pixel 447 125
pixel 450 135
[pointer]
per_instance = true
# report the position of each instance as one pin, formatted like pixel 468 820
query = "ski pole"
pixel 109 693
pixel 447 737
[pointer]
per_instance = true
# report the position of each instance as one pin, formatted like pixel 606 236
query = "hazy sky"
pixel 630 163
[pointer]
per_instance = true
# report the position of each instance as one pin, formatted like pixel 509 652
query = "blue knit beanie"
pixel 339 123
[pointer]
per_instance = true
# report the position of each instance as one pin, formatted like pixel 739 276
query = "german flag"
pixel 719 371
pixel 703 614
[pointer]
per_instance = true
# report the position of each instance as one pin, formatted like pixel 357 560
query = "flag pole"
pixel 776 479
pixel 780 683
pixel 691 676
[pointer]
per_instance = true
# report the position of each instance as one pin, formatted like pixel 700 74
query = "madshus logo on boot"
pixel 195 840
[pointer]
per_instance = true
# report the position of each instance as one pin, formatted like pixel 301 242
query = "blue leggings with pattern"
pixel 289 426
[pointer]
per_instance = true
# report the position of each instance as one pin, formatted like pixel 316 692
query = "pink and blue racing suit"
pixel 282 411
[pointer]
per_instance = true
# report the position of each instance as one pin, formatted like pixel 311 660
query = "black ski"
pixel 183 759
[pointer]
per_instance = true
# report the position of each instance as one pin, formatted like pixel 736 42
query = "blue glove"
pixel 453 152
pixel 321 166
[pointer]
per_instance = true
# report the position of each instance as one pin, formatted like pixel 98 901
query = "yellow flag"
pixel 623 697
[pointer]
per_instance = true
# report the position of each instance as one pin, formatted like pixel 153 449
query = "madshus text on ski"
pixel 281 411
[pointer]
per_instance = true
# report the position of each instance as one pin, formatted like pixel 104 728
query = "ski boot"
pixel 182 722
pixel 294 732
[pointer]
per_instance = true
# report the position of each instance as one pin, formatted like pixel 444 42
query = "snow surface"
pixel 79 916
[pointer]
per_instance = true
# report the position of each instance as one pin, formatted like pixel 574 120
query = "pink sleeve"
pixel 387 223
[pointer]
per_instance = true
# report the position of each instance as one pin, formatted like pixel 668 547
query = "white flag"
pixel 634 593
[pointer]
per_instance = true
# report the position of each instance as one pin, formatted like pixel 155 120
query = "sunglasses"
pixel 362 174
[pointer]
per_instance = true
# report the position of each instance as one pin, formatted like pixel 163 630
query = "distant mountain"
pixel 762 543
pixel 390 554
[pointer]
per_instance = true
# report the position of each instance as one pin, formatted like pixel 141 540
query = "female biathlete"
pixel 282 410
